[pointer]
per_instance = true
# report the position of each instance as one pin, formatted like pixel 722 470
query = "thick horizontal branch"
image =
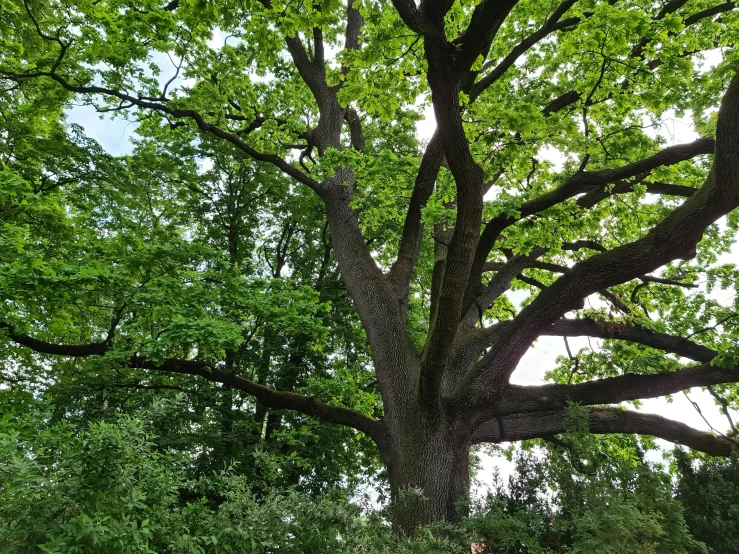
pixel 142 386
pixel 599 194
pixel 670 189
pixel 664 281
pixel 43 347
pixel 580 244
pixel 611 390
pixel 533 264
pixel 274 399
pixel 632 333
pixel 601 421
pixel 709 12
pixel 278 400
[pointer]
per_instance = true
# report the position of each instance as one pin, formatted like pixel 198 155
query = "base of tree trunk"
pixel 429 481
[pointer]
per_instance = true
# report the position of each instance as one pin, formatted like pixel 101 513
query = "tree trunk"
pixel 429 477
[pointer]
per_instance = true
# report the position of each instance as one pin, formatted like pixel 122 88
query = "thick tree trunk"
pixel 429 477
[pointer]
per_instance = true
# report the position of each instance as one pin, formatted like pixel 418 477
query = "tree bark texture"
pixel 428 471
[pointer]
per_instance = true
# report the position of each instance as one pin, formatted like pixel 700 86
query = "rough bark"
pixel 602 421
pixel 428 470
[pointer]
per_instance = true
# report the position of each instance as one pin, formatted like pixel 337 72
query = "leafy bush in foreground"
pixel 106 488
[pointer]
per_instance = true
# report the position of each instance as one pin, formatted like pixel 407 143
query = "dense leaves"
pixel 110 486
pixel 332 287
pixel 110 243
pixel 708 490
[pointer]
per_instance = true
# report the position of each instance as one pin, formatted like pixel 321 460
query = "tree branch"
pixel 667 9
pixel 709 12
pixel 411 239
pixel 576 184
pixel 580 244
pixel 274 399
pixel 448 63
pixel 416 20
pixel 632 333
pixel 596 195
pixel 43 347
pixel 278 400
pixel 550 25
pixel 570 97
pixel 195 116
pixel 486 19
pixel 356 135
pixel 312 72
pixel 610 390
pixel 499 283
pixel 724 408
pixel 354 24
pixel 601 421
pixel 675 237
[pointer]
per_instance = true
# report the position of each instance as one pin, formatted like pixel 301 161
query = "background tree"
pixel 708 488
pixel 128 235
pixel 322 99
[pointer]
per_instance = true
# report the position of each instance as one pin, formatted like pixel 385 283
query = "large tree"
pixel 610 242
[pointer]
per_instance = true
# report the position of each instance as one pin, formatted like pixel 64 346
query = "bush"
pixel 106 487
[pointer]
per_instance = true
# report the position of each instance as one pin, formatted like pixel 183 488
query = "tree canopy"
pixel 283 247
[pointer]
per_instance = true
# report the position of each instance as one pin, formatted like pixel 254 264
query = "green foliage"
pixel 84 487
pixel 187 247
pixel 709 491
pixel 583 494
pixel 100 488
pixel 175 260
pixel 107 487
